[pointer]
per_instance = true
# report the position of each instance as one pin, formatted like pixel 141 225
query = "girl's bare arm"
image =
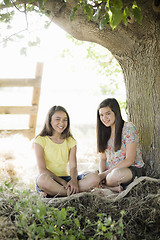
pixel 102 164
pixel 42 165
pixel 127 162
pixel 72 185
pixel 130 156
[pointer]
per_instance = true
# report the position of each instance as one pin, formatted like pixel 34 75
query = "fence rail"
pixel 32 110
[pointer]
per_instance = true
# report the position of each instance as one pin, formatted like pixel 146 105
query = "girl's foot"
pixel 113 189
pixel 107 191
pixel 43 194
pixel 116 189
pixel 98 191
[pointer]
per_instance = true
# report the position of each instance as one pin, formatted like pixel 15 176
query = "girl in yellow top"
pixel 55 148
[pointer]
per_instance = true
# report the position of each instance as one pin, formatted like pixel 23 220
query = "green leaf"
pixel 40 3
pixel 47 24
pixel 107 6
pixel 61 216
pixel 77 222
pixel 136 11
pixel 42 211
pixel 7 3
pixel 63 213
pixel 117 4
pixel 104 21
pixel 1 189
pixel 125 16
pixel 108 235
pixel 97 14
pixel 23 51
pixel 116 17
pixel 89 11
pixel 19 36
pixel 108 221
pixel 122 213
pixel 72 237
pixel 104 228
pixel 34 43
pixel 73 13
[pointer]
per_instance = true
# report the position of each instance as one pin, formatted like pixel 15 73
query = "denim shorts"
pixel 66 178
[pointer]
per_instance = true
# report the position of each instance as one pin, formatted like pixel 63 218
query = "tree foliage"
pixel 110 12
pixel 13 31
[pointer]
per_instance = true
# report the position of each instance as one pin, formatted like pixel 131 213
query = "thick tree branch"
pixel 119 41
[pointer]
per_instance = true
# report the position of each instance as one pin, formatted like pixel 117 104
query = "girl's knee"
pixel 42 180
pixel 113 177
pixel 95 179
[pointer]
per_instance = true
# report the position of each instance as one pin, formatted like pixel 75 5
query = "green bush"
pixel 34 219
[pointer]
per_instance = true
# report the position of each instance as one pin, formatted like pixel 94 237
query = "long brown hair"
pixel 103 132
pixel 47 130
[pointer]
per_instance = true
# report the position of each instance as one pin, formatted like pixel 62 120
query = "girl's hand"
pixel 64 183
pixel 101 184
pixel 103 175
pixel 72 187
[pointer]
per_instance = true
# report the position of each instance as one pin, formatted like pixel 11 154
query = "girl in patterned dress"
pixel 118 145
pixel 55 149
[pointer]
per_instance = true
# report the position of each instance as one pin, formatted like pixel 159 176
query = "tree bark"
pixel 137 49
pixel 142 78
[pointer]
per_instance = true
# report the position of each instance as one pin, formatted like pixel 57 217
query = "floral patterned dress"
pixel 129 135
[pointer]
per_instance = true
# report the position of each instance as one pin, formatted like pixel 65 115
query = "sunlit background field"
pixel 69 79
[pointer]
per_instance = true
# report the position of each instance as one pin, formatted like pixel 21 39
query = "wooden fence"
pixel 32 110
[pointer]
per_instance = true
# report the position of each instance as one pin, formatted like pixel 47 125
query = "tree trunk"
pixel 142 78
pixel 136 47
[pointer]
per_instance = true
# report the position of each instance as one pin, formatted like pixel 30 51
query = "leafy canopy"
pixel 111 12
pixel 106 11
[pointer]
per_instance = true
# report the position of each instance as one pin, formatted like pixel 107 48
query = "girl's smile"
pixel 107 116
pixel 59 121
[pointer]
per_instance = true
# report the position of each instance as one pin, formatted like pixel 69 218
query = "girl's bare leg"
pixel 115 178
pixel 51 187
pixel 118 176
pixel 89 182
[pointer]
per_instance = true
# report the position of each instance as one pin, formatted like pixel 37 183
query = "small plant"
pixel 108 228
pixel 35 219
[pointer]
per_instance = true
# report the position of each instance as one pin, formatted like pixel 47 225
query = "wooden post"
pixel 36 96
pixel 30 110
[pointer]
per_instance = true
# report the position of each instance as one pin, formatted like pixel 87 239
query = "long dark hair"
pixel 103 132
pixel 48 130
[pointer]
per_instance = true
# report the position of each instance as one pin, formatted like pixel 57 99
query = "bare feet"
pixel 113 189
pixel 105 191
pixel 98 191
pixel 116 189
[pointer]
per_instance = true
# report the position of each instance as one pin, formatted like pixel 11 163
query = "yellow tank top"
pixel 56 155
